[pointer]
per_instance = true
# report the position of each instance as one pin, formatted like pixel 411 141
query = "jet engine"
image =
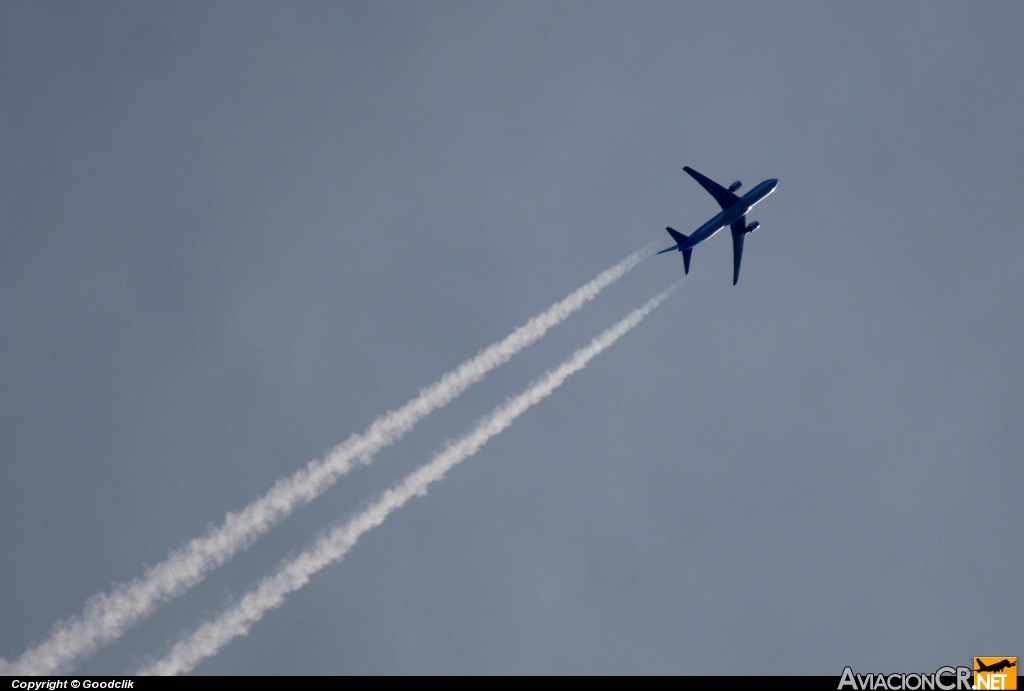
pixel 752 227
pixel 735 186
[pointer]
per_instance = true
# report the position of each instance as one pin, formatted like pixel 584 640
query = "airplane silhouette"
pixel 733 214
pixel 994 667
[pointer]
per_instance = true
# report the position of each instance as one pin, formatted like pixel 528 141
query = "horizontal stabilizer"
pixel 680 243
pixel 677 236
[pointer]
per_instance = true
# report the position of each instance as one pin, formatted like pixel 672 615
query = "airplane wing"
pixel 724 197
pixel 739 229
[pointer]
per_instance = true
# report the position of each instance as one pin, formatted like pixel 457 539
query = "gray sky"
pixel 233 234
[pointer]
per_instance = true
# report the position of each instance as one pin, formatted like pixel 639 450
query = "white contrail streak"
pixel 271 591
pixel 108 615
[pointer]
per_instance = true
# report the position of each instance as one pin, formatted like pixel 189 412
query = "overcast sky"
pixel 231 235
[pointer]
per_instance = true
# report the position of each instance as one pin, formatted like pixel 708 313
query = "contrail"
pixel 271 591
pixel 107 616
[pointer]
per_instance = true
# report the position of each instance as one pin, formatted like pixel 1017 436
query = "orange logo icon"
pixel 995 673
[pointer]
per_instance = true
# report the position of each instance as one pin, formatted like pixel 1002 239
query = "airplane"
pixel 995 666
pixel 733 214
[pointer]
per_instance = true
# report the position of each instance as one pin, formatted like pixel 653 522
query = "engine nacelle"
pixel 735 186
pixel 752 227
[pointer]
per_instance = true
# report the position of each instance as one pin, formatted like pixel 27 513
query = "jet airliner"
pixel 733 214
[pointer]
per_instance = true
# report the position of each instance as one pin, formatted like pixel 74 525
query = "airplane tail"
pixel 680 241
pixel 677 236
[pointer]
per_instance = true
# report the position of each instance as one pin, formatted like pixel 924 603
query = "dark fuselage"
pixel 733 213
